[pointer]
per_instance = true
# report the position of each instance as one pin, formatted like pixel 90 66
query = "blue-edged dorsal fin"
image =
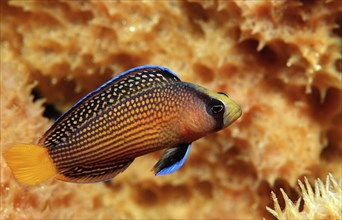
pixel 172 159
pixel 123 86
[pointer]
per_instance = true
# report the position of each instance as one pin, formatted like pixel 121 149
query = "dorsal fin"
pixel 120 87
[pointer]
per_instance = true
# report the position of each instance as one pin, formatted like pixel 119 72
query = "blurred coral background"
pixel 280 60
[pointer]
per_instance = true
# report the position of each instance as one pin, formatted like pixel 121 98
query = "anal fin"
pixel 172 160
pixel 93 173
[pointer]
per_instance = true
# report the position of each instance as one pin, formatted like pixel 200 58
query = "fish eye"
pixel 222 93
pixel 215 107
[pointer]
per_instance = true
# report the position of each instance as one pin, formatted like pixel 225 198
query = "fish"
pixel 143 110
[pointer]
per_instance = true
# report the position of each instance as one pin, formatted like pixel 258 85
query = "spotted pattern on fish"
pixel 142 110
pixel 130 128
pixel 118 89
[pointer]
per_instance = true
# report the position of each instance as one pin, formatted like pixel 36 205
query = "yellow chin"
pixel 232 113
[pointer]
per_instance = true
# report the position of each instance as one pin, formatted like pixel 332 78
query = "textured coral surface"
pixel 322 201
pixel 280 60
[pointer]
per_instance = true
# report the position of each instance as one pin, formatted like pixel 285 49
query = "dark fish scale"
pixel 92 172
pixel 99 100
pixel 117 133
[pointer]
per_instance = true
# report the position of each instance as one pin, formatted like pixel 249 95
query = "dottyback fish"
pixel 142 110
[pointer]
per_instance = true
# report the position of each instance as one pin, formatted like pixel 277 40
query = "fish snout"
pixel 232 112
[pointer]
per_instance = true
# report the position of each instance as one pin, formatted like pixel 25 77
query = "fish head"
pixel 208 112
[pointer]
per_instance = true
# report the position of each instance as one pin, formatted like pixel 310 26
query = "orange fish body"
pixel 143 110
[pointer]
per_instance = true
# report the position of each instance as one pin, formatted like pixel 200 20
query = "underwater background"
pixel 280 60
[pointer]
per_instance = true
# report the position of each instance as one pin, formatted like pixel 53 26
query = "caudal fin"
pixel 30 164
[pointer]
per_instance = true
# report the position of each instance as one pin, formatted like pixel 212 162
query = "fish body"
pixel 143 110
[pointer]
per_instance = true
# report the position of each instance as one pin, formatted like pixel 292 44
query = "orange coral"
pixel 280 60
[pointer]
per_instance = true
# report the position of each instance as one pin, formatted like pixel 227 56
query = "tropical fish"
pixel 142 110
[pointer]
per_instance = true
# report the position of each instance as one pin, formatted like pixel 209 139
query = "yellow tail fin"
pixel 30 164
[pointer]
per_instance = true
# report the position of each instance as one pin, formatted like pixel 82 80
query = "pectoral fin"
pixel 172 160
